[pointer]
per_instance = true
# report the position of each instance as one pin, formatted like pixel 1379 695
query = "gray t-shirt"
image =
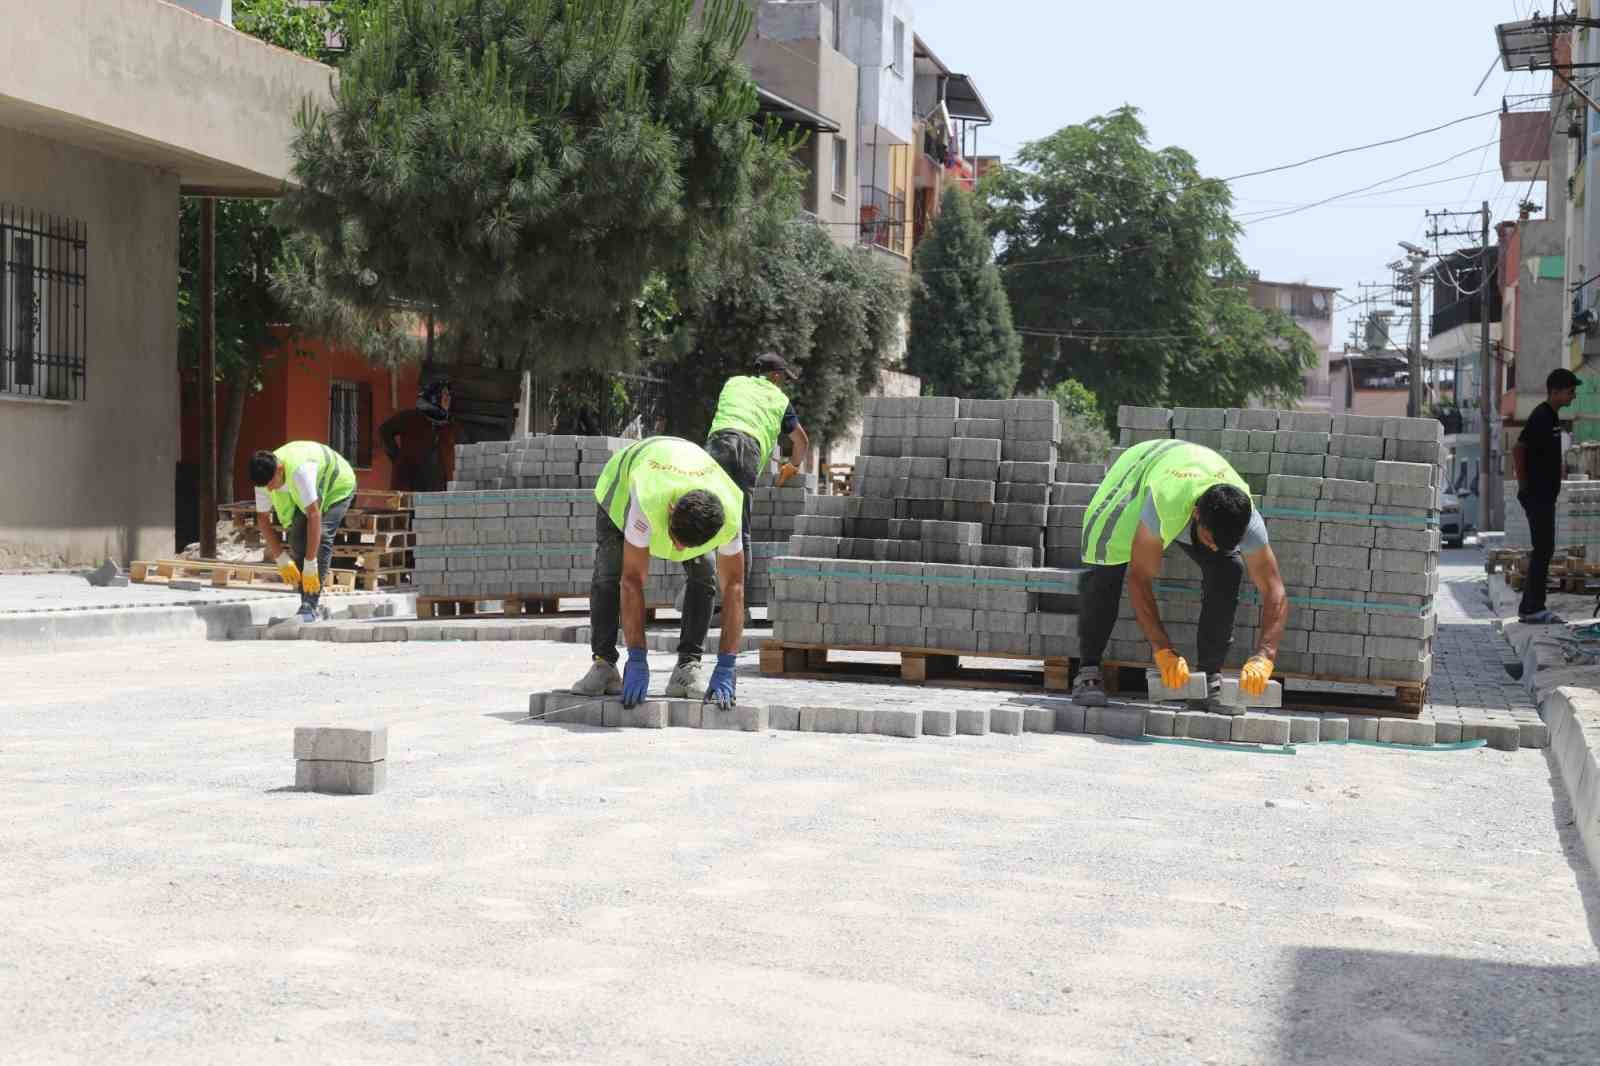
pixel 1255 534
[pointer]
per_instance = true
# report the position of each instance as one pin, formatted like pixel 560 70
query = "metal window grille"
pixel 350 422
pixel 44 314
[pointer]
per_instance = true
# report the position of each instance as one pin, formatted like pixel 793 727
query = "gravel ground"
pixel 537 893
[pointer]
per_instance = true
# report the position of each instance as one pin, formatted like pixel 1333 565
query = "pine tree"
pixel 962 342
pixel 520 168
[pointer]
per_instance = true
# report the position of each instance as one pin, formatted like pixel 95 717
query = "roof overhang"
pixel 153 83
pixel 791 113
pixel 964 101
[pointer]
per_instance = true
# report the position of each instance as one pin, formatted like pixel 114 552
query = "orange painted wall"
pixel 293 404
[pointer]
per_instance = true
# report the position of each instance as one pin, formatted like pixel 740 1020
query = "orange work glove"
pixel 1255 675
pixel 1174 669
pixel 785 472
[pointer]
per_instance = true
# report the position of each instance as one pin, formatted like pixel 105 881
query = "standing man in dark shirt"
pixel 1539 464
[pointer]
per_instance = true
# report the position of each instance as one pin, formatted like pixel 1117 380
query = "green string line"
pixel 1460 745
pixel 1290 512
pixel 1219 745
pixel 1251 597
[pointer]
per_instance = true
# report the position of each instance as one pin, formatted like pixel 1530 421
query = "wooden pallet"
pixel 374 522
pixel 442 607
pixel 1502 560
pixel 398 577
pixel 390 541
pixel 262 576
pixel 1407 702
pixel 362 557
pixel 917 666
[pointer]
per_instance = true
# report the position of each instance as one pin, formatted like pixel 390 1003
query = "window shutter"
pixel 363 432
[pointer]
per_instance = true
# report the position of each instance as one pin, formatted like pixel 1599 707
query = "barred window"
pixel 44 261
pixel 350 422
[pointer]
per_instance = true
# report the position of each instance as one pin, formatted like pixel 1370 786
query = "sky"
pixel 1248 84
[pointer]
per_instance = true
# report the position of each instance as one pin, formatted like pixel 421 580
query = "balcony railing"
pixel 1463 312
pixel 883 218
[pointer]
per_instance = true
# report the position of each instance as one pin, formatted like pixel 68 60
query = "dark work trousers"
pixel 605 597
pixel 332 519
pixel 1100 596
pixel 1541 512
pixel 739 455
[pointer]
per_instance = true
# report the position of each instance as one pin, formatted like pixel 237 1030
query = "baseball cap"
pixel 1561 378
pixel 773 363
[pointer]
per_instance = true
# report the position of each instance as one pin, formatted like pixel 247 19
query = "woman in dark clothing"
pixel 421 442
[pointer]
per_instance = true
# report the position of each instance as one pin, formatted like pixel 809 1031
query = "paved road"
pixel 534 893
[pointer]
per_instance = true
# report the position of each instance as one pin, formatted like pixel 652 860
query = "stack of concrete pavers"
pixel 943 607
pixel 540 462
pixel 1577 516
pixel 341 761
pixel 1352 508
pixel 1075 486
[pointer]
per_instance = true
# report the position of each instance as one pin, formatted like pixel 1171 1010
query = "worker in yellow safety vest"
pixel 664 497
pixel 309 486
pixel 753 412
pixel 1166 492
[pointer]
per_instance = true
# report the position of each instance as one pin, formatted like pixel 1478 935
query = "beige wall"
pixel 150 82
pixel 89 479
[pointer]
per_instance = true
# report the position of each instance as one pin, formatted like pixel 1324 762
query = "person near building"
pixel 309 486
pixel 664 497
pixel 1537 457
pixel 1166 492
pixel 421 442
pixel 753 412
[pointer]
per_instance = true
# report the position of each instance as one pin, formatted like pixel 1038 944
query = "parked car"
pixel 1452 529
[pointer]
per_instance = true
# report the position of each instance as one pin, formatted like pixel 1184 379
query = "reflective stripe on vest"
pixel 659 470
pixel 755 407
pixel 1175 473
pixel 336 480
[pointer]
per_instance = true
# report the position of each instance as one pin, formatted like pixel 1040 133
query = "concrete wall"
pixel 886 92
pixel 1539 308
pixel 93 478
pixel 154 83
pixel 221 10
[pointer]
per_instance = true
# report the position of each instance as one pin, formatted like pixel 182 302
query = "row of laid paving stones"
pixel 570 630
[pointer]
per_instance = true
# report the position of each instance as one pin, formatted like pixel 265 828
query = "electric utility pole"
pixel 1488 436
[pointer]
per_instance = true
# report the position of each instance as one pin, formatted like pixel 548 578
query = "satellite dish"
pixel 1319 300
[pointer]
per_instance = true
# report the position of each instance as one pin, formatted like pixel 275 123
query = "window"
pixel 43 313
pixel 897 61
pixel 350 422
pixel 838 24
pixel 841 168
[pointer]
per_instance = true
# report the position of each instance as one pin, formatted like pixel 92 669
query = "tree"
pixel 962 342
pixel 520 168
pixel 1084 438
pixel 1120 262
pixel 248 243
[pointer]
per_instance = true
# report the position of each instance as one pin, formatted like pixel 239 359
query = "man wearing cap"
pixel 309 486
pixel 667 498
pixel 1166 492
pixel 752 413
pixel 1537 456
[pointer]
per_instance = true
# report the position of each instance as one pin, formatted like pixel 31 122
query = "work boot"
pixel 1213 704
pixel 1546 617
pixel 1088 690
pixel 684 684
pixel 308 613
pixel 601 680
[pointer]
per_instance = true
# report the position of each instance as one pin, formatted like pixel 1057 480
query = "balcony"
pixel 1525 145
pixel 883 219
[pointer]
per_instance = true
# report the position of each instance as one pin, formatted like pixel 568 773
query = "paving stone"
pixel 745 717
pixel 1405 731
pixel 1160 722
pixel 341 778
pixel 783 718
pixel 939 722
pixel 1038 720
pixel 1446 732
pixel 1007 720
pixel 829 720
pixel 1334 729
pixel 1234 696
pixel 1534 734
pixel 687 714
pixel 896 722
pixel 1259 729
pixel 1363 728
pixel 1304 729
pixel 1199 725
pixel 651 714
pixel 972 721
pixel 1194 690
pixel 341 743
pixel 1115 720
pixel 1501 735
pixel 1070 718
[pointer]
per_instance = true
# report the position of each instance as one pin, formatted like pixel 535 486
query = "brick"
pixel 1417 475
pixel 1259 729
pixel 1405 731
pixel 1115 720
pixel 1234 696
pixel 829 720
pixel 651 714
pixel 1411 540
pixel 1038 720
pixel 1246 419
pixel 337 744
pixel 1298 464
pixel 1301 443
pixel 1292 487
pixel 1007 720
pixel 939 722
pixel 1070 718
pixel 744 717
pixel 784 718
pixel 972 721
pixel 341 778
pixel 1347 558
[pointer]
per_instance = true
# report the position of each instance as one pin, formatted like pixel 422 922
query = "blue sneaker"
pixel 308 615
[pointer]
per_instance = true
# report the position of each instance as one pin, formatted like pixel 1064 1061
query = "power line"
pixel 1357 148
pixel 1365 188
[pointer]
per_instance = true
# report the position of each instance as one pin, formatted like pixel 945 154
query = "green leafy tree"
pixel 520 168
pixel 248 243
pixel 1084 438
pixel 962 342
pixel 1120 262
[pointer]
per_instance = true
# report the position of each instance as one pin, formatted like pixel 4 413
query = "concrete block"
pixel 1363 728
pixel 1292 487
pixel 1386 560
pixel 1348 491
pixel 341 744
pixel 1007 720
pixel 1338 582
pixel 1359 425
pixel 1298 464
pixel 939 722
pixel 1352 645
pixel 1414 670
pixel 1405 731
pixel 1247 419
pixel 1347 535
pixel 1301 443
pixel 1038 719
pixel 1395 647
pixel 1129 417
pixel 1304 729
pixel 1160 722
pixel 1293 530
pixel 1349 468
pixel 651 714
pixel 972 721
pixel 341 778
pixel 1305 422
pixel 1355 447
pixel 1416 475
pixel 1070 718
pixel 1198 725
pixel 1446 732
pixel 1335 728
pixel 687 714
pixel 1346 558
pixel 1249 462
pixel 1234 696
pixel 1194 690
pixel 1263 440
pixel 1332 665
pixel 830 720
pixel 1259 729
pixel 743 717
pixel 1115 720
pixel 1501 735
pixel 1535 734
pixel 1408 540
pixel 569 708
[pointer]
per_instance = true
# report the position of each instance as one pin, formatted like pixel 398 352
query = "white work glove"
pixel 287 570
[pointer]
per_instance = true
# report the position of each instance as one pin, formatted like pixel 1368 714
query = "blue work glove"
pixel 636 678
pixel 720 691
